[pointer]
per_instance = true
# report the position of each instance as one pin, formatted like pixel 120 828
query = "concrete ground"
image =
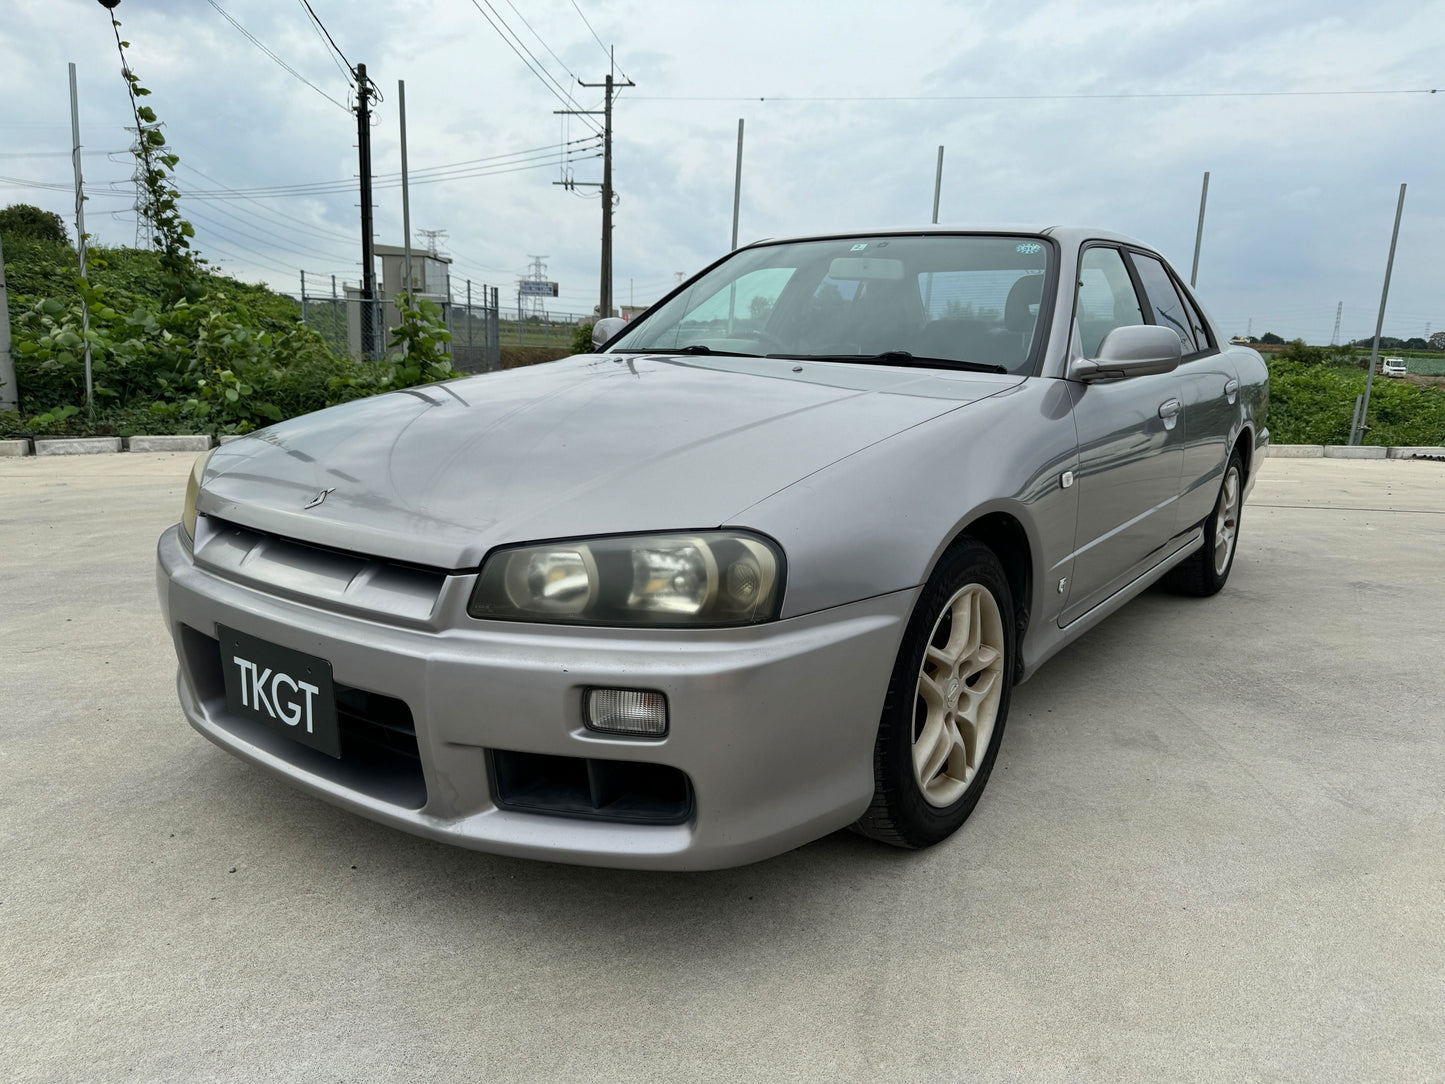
pixel 1213 848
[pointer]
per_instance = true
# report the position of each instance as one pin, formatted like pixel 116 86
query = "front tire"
pixel 948 698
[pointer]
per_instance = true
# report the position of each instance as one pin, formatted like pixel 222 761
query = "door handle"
pixel 1169 408
pixel 1231 386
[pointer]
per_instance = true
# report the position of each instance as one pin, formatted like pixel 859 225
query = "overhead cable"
pixel 259 45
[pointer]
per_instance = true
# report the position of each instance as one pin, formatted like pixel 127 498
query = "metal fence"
pixel 351 325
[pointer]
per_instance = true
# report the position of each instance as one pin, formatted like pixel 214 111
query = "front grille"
pixel 613 790
pixel 379 753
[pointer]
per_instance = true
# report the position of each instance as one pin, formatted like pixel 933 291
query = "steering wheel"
pixel 763 338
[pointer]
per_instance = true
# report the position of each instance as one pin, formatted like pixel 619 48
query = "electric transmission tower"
pixel 433 239
pixel 536 302
pixel 1335 336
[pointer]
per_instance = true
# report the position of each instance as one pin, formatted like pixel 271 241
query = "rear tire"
pixel 1205 571
pixel 948 698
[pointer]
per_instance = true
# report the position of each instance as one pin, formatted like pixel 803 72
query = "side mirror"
pixel 1138 350
pixel 606 329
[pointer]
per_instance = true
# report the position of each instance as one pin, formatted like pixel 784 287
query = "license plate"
pixel 286 690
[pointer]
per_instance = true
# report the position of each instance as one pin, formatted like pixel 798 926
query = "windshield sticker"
pixel 859 248
pixel 1028 248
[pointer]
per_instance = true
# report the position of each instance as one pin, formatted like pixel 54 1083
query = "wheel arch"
pixel 1244 445
pixel 1006 535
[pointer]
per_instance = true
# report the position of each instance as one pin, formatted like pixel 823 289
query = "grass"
pixel 1313 404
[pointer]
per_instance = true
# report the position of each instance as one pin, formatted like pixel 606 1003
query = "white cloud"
pixel 1301 196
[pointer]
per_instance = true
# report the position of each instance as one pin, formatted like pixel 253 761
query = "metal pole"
pixel 1199 230
pixel 303 295
pixel 80 238
pixel 370 322
pixel 1355 419
pixel 469 312
pixel 937 184
pixel 405 195
pixel 1379 323
pixel 9 394
pixel 605 306
pixel 335 319
pixel 737 184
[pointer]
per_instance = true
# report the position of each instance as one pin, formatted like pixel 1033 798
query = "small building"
pixel 430 281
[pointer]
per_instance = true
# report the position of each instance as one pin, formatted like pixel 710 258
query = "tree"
pixel 1269 338
pixel 1437 341
pixel 27 220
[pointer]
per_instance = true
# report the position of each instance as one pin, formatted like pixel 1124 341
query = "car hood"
pixel 439 474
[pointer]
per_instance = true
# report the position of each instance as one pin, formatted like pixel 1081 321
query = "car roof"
pixel 1066 235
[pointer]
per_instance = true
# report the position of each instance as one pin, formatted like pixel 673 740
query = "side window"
pixel 743 305
pixel 1169 310
pixel 1106 298
pixel 1196 319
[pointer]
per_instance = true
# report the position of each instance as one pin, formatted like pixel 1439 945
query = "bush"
pixel 211 365
pixel 582 339
pixel 1314 405
pixel 28 222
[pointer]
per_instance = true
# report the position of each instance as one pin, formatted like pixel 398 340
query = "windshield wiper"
pixel 901 357
pixel 695 348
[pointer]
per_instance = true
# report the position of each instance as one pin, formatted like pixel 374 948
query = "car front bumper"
pixel 773 726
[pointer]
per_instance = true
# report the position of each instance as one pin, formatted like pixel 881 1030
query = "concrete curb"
pixel 1295 451
pixel 173 443
pixel 230 437
pixel 77 445
pixel 1358 451
pixel 11 448
pixel 1420 453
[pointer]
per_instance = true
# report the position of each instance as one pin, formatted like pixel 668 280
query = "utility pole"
pixel 80 238
pixel 611 86
pixel 1357 435
pixel 1199 230
pixel 405 194
pixel 369 330
pixel 937 184
pixel 1335 335
pixel 303 296
pixel 737 184
pixel 9 394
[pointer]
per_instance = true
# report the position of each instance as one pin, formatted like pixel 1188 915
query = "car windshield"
pixel 964 299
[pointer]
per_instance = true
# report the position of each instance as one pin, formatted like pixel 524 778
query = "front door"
pixel 1131 446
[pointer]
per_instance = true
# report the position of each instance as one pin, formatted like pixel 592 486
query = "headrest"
pixel 1027 291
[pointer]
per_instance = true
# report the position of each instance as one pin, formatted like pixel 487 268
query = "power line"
pixel 534 66
pixel 258 44
pixel 319 31
pixel 544 45
pixel 317 20
pixel 610 58
pixel 550 157
pixel 270 211
pixel 1024 97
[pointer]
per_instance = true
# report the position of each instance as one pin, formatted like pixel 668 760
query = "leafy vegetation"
pixel 1313 403
pixel 25 220
pixel 173 346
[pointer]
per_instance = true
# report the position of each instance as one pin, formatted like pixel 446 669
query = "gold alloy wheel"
pixel 1226 521
pixel 959 687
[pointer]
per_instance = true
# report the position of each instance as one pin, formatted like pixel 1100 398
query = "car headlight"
pixel 702 578
pixel 193 489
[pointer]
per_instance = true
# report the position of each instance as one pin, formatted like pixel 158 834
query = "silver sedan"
pixel 766 565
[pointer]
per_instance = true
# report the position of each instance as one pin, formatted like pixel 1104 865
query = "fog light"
pixel 626 711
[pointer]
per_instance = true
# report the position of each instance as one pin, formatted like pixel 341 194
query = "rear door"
pixel 1130 444
pixel 1208 387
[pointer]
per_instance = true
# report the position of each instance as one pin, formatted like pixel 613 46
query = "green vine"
pixel 160 199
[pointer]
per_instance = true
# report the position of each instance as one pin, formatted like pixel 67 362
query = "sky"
pixel 1308 116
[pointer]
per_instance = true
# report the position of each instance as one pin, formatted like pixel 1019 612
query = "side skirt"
pixel 1045 642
